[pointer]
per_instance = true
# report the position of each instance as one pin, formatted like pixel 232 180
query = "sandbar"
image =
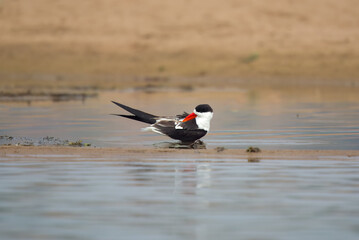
pixel 136 154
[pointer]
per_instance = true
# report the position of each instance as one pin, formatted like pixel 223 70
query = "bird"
pixel 187 128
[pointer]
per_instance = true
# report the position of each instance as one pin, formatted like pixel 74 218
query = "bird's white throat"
pixel 203 120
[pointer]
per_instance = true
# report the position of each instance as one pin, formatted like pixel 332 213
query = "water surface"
pixel 122 197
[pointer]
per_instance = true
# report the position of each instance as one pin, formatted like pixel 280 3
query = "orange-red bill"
pixel 189 117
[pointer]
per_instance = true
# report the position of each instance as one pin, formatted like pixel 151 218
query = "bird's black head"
pixel 202 108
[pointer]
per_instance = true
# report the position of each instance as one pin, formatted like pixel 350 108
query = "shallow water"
pixel 283 118
pixel 196 197
pixel 121 197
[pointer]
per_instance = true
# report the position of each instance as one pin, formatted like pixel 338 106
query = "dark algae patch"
pixel 253 149
pixel 220 149
pixel 44 95
pixel 45 141
pixel 79 143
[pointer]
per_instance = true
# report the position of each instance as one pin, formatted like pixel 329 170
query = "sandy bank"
pixel 111 44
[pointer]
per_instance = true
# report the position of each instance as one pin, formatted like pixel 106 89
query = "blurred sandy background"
pixel 102 44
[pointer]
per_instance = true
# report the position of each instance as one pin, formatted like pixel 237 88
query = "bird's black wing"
pixel 183 115
pixel 189 125
pixel 137 114
pixel 187 132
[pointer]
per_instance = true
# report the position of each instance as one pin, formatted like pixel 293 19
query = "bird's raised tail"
pixel 137 114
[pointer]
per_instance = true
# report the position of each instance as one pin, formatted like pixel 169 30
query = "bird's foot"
pixel 181 145
pixel 198 144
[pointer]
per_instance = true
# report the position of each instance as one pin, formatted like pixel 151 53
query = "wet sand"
pixel 130 154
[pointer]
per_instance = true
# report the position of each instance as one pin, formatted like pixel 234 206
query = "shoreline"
pixel 134 153
pixel 44 92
